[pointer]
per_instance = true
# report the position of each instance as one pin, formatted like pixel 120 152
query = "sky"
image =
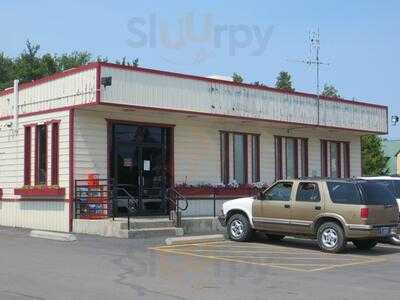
pixel 257 39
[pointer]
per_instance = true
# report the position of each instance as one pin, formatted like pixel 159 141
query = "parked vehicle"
pixel 333 211
pixel 393 184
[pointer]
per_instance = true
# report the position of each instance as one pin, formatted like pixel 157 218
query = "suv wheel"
pixel 331 237
pixel 275 237
pixel 239 228
pixel 395 240
pixel 365 244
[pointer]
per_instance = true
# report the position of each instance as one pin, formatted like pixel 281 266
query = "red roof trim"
pixel 55 76
pixel 244 85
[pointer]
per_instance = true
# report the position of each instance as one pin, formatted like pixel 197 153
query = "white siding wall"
pixel 39 214
pixel 160 91
pixel 197 144
pixel 78 88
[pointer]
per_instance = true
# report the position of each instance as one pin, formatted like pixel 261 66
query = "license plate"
pixel 384 231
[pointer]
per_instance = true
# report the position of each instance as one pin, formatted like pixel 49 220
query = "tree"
pixel 373 158
pixel 30 65
pixel 237 78
pixel 284 81
pixel 6 71
pixel 125 62
pixel 330 91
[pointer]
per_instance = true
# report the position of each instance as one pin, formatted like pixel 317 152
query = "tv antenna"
pixel 314 60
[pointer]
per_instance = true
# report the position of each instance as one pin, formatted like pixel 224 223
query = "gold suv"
pixel 332 210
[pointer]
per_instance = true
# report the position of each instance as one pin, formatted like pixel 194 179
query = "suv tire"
pixel 395 240
pixel 365 244
pixel 331 237
pixel 275 237
pixel 239 228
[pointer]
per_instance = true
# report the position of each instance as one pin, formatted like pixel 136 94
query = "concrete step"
pixel 154 232
pixel 148 223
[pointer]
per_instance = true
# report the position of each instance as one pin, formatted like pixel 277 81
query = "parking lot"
pixel 110 268
pixel 292 255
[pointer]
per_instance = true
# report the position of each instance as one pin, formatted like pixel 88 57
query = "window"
pixel 396 184
pixel 41 155
pixel 240 158
pixel 224 140
pixel 331 159
pixel 308 192
pixel 27 154
pixel 376 194
pixel 335 160
pixel 344 192
pixel 279 192
pixel 291 158
pixel 54 153
pixel 255 158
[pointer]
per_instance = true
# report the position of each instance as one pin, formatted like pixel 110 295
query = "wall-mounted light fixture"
pixel 395 120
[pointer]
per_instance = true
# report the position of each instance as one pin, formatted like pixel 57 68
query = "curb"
pixel 194 239
pixel 56 236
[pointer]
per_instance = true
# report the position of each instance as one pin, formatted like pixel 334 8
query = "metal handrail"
pixel 175 200
pixel 133 203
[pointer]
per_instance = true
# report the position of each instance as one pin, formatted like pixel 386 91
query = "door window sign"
pixel 146 165
pixel 128 162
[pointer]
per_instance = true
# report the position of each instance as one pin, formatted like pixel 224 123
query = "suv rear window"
pixel 344 192
pixel 376 194
pixel 396 184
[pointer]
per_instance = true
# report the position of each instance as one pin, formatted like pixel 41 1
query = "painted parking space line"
pixel 273 256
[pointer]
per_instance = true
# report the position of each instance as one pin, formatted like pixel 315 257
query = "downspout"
pixel 16 104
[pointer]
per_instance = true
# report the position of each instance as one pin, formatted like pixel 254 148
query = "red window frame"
pixel 346 159
pixel 304 157
pixel 255 161
pixel 55 127
pixel 278 158
pixel 27 154
pixel 224 144
pixel 324 158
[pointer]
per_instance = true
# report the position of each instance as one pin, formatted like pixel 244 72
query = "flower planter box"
pixel 40 192
pixel 236 192
pixel 195 191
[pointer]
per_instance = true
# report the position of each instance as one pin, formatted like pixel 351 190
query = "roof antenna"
pixel 314 40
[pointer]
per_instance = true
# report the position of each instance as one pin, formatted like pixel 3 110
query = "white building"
pixel 151 129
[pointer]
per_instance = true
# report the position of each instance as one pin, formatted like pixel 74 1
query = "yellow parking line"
pixel 230 260
pixel 286 257
pixel 183 245
pixel 270 264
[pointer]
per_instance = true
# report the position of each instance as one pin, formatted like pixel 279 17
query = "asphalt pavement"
pixel 109 268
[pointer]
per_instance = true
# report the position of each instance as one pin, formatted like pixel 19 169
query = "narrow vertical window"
pixel 346 159
pixel 304 157
pixel 54 153
pixel 324 158
pixel 27 155
pixel 291 158
pixel 255 158
pixel 335 163
pixel 41 155
pixel 278 157
pixel 224 140
pixel 240 158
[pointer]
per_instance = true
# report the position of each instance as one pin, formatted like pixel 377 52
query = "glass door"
pixel 139 166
